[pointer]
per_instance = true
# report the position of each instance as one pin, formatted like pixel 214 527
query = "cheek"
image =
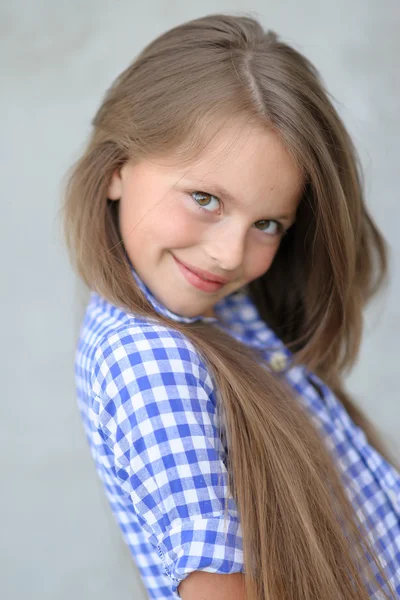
pixel 166 224
pixel 259 261
pixel 175 225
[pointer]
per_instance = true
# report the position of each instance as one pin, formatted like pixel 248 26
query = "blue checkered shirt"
pixel 150 414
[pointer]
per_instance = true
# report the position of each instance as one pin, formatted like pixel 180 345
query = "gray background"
pixel 59 540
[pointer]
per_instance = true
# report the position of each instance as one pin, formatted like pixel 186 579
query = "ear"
pixel 115 186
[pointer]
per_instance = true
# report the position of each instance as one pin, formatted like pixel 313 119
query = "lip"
pixel 196 280
pixel 204 274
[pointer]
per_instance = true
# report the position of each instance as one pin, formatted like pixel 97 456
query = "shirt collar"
pixel 160 308
pixel 236 311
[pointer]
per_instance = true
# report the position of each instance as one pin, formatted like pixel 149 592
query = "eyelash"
pixel 282 231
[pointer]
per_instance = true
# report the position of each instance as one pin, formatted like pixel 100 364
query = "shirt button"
pixel 278 361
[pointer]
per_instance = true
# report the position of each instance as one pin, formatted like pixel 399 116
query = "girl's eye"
pixel 278 228
pixel 202 200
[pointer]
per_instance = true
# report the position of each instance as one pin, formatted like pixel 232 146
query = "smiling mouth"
pixel 204 274
pixel 196 280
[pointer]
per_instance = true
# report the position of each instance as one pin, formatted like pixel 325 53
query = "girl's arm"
pixel 201 585
pixel 155 409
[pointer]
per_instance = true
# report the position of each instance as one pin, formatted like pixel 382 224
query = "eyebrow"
pixel 220 192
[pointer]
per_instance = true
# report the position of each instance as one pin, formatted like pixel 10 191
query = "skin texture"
pixel 201 585
pixel 160 218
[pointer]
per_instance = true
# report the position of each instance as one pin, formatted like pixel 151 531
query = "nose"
pixel 226 246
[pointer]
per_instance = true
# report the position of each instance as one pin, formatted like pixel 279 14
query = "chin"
pixel 189 313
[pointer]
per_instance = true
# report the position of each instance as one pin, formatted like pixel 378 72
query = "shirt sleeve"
pixel 156 410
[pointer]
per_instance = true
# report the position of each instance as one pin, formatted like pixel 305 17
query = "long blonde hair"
pixel 302 539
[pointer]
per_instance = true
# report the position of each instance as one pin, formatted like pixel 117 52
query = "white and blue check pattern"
pixel 150 413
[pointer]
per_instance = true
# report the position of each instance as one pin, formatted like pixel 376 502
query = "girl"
pixel 218 217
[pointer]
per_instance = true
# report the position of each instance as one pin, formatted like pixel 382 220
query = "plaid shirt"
pixel 150 414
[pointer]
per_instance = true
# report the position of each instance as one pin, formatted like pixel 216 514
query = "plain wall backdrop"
pixel 59 540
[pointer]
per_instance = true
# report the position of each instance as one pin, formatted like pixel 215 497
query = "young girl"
pixel 217 215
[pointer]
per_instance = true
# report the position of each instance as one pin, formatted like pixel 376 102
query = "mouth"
pixel 198 280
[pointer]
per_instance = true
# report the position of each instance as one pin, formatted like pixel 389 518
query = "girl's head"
pixel 225 213
pixel 218 147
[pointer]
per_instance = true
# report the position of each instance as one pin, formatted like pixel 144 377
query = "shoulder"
pixel 142 369
pixel 148 348
pixel 112 338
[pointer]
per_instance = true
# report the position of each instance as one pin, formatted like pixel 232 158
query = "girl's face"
pixel 223 214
